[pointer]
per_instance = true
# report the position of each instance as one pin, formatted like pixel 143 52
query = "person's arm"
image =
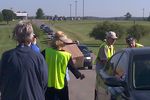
pixel 103 55
pixel 35 47
pixel 75 71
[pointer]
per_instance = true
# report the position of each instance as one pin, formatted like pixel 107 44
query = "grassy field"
pixel 6 41
pixel 76 30
pixel 79 30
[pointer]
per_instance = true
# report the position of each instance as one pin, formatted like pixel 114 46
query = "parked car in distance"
pixel 46 29
pixel 88 59
pixel 42 26
pixel 125 76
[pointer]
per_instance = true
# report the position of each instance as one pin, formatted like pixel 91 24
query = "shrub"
pixel 137 31
pixel 99 31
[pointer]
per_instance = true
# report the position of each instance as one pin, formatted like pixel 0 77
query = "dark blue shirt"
pixel 23 75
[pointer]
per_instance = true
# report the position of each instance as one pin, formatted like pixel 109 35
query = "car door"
pixel 113 63
pixel 119 71
pixel 108 70
pixel 122 66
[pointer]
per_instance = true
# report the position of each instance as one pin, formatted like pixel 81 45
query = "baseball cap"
pixel 111 34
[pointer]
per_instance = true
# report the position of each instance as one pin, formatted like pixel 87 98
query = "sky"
pixel 98 8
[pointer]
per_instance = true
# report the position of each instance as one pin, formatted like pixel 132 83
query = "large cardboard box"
pixel 77 56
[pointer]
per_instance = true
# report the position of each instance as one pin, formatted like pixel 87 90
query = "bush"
pixel 137 31
pixel 99 31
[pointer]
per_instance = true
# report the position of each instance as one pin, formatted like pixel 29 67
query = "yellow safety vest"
pixel 138 45
pixel 57 62
pixel 110 50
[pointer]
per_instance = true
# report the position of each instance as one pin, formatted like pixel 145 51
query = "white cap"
pixel 111 34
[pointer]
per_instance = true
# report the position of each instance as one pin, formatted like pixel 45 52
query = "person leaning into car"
pixel 58 60
pixel 131 42
pixel 106 50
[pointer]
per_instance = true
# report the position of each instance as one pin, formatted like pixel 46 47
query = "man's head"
pixel 130 40
pixel 23 33
pixel 111 37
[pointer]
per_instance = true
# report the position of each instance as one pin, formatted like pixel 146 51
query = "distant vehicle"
pixel 51 36
pixel 42 26
pixel 126 74
pixel 47 30
pixel 88 59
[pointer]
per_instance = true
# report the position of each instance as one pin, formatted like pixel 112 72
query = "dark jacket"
pixel 23 75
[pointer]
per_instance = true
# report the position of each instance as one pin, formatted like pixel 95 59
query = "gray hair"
pixel 22 32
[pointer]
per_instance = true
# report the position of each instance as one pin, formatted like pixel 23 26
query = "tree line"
pixel 8 15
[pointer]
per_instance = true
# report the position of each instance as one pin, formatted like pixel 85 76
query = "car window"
pixel 84 49
pixel 112 63
pixel 122 65
pixel 141 71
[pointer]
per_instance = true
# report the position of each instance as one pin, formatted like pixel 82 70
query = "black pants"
pixel 56 94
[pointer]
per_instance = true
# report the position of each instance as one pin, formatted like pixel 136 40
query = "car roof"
pixel 138 51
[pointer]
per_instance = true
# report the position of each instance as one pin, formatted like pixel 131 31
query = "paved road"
pixel 82 89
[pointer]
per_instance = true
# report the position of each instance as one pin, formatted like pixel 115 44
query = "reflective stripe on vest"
pixel 110 51
pixel 57 62
pixel 138 45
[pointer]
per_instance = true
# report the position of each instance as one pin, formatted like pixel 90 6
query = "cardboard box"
pixel 77 56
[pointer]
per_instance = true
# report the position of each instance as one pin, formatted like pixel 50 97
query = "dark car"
pixel 46 29
pixel 88 59
pixel 42 26
pixel 125 76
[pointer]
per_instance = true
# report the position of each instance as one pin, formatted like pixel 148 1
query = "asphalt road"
pixel 82 89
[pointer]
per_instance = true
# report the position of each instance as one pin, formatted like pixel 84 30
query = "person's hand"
pixel 34 40
pixel 82 76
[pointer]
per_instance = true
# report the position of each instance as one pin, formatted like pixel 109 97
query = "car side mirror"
pixel 113 81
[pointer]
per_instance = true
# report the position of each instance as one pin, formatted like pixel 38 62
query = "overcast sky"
pixel 99 8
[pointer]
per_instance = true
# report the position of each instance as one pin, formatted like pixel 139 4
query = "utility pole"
pixel 76 9
pixel 83 9
pixel 143 13
pixel 70 10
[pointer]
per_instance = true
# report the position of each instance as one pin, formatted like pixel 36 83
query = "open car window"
pixel 122 66
pixel 112 63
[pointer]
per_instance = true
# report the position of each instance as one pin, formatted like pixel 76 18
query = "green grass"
pixel 76 30
pixel 6 41
pixel 79 30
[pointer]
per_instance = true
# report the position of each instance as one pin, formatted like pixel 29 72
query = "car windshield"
pixel 141 71
pixel 84 49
